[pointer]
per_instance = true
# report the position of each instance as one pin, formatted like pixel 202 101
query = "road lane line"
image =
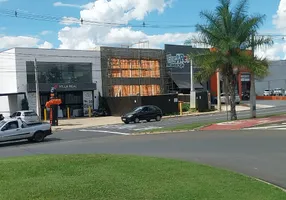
pixel 102 131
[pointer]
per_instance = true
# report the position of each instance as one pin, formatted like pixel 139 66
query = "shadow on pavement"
pixel 25 142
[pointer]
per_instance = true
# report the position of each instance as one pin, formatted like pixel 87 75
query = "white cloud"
pixel 278 50
pixel 60 4
pixel 2 1
pixel 69 21
pixel 279 19
pixel 18 41
pixel 46 32
pixel 46 45
pixel 271 53
pixel 89 36
pixel 7 42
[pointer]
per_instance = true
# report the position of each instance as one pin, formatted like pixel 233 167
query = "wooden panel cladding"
pixel 131 68
pixel 134 90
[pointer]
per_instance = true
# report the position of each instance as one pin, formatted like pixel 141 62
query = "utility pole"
pixel 218 92
pixel 38 103
pixel 252 86
pixel 192 91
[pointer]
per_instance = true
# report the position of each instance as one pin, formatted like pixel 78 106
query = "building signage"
pixel 61 87
pixel 66 86
pixel 177 61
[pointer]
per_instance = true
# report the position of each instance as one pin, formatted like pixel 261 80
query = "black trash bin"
pixel 202 101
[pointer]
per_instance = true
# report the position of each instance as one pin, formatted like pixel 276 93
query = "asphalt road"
pixel 261 154
pixel 126 129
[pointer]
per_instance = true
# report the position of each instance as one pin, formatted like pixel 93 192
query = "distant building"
pixel 275 79
pixel 76 74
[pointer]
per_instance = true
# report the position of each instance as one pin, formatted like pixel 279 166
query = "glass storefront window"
pixel 60 72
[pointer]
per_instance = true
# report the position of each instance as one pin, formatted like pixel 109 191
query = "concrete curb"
pixel 191 114
pixel 271 184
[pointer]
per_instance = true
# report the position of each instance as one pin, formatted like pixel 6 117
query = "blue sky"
pixel 182 12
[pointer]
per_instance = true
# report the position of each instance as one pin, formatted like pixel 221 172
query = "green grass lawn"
pixel 124 177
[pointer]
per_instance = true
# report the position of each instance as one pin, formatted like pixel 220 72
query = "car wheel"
pixel 148 120
pixel 30 140
pixel 158 118
pixel 126 122
pixel 136 120
pixel 39 136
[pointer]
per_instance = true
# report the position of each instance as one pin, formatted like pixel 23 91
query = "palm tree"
pixel 228 32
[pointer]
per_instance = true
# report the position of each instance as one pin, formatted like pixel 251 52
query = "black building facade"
pixel 178 68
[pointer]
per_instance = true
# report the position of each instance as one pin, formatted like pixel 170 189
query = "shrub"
pixel 186 107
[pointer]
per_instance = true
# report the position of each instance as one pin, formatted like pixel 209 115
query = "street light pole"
pixel 38 104
pixel 252 86
pixel 192 91
pixel 218 92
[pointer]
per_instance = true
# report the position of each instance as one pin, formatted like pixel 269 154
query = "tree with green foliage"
pixel 229 34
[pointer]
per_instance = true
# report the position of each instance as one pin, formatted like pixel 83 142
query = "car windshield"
pixel 2 123
pixel 138 109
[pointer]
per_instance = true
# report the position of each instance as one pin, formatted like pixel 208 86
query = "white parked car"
pixel 279 92
pixel 224 99
pixel 27 116
pixel 267 93
pixel 16 129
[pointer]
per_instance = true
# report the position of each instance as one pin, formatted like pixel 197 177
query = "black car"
pixel 143 113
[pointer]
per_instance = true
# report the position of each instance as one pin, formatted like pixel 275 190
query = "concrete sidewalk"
pixel 67 124
pixel 242 124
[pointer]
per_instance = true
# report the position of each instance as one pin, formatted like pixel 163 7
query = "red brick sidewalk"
pixel 241 124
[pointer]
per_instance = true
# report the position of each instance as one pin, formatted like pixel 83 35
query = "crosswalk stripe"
pixel 272 127
pixel 102 131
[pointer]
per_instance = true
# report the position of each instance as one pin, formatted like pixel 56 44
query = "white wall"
pixel 275 79
pixel 55 55
pixel 4 106
pixel 8 77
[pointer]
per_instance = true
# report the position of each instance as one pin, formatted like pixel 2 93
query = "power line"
pixel 72 20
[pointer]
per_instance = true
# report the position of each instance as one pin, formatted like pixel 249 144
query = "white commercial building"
pixel 76 74
pixel 275 79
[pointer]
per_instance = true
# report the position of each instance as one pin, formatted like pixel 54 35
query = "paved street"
pixel 125 129
pixel 257 153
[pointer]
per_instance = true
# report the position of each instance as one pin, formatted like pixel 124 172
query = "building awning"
pixel 183 80
pixel 8 94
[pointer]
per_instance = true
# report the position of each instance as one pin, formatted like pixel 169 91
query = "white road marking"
pixel 272 127
pixel 102 131
pixel 147 128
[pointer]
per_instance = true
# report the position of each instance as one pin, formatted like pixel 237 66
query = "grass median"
pixel 194 126
pixel 107 177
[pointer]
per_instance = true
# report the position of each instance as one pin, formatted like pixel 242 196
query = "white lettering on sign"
pixel 67 86
pixel 177 61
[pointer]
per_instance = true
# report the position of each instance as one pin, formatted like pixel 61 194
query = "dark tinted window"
pixel 146 109
pixel 18 114
pixel 13 115
pixel 30 114
pixel 60 72
pixel 11 126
